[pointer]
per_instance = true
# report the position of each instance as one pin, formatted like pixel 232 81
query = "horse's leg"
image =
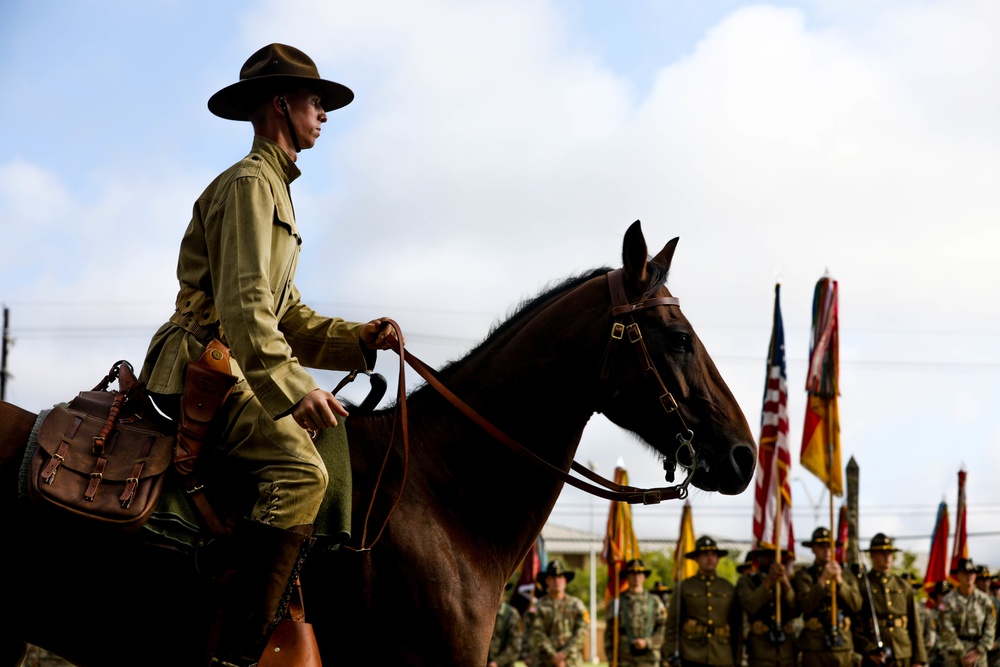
pixel 12 651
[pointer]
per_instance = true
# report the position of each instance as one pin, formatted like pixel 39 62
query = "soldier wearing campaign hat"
pixel 633 636
pixel 559 621
pixel 899 640
pixel 704 617
pixel 822 642
pixel 932 636
pixel 968 620
pixel 768 641
pixel 984 582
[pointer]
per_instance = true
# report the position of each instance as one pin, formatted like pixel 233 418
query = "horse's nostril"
pixel 744 459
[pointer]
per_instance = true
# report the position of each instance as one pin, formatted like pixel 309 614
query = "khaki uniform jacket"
pixel 709 618
pixel 900 623
pixel 966 622
pixel 758 603
pixel 641 616
pixel 236 269
pixel 815 602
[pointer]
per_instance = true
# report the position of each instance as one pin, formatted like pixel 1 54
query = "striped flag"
pixel 960 546
pixel 821 432
pixel 843 536
pixel 533 563
pixel 620 542
pixel 685 567
pixel 773 494
pixel 937 562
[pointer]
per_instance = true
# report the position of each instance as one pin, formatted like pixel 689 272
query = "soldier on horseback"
pixel 236 270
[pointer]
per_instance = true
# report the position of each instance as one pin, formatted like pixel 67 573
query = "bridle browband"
pixel 620 309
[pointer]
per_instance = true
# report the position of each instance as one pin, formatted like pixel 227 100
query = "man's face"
pixel 822 552
pixel 882 560
pixel 635 580
pixel 707 562
pixel 305 108
pixel 555 583
pixel 966 580
pixel 983 584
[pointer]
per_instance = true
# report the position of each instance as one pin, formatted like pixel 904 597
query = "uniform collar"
pixel 277 156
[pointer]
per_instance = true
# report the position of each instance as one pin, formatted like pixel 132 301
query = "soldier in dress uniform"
pixel 635 637
pixel 559 622
pixel 893 607
pixel 821 643
pixel 927 622
pixel 768 642
pixel 968 620
pixel 704 617
pixel 505 645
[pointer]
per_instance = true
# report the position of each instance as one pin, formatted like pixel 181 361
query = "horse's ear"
pixel 665 256
pixel 634 256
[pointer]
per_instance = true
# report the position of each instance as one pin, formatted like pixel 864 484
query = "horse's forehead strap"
pixel 620 304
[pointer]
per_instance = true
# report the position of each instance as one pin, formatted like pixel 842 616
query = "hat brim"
pixel 639 571
pixel 885 550
pixel 816 543
pixel 785 553
pixel 234 101
pixel 694 554
pixel 569 574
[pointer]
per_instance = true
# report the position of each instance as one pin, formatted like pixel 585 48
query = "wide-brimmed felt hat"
pixel 705 544
pixel 661 588
pixel 915 582
pixel 940 588
pixel 820 536
pixel 881 542
pixel 556 568
pixel 270 70
pixel 636 565
pixel 964 565
pixel 983 572
pixel 747 563
pixel 766 549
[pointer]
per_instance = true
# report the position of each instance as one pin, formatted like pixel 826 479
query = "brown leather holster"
pixel 208 382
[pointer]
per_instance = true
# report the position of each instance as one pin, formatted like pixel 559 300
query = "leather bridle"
pixel 624 323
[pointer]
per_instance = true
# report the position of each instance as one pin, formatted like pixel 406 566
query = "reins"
pixel 602 487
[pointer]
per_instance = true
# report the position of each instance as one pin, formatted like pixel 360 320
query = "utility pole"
pixel 3 354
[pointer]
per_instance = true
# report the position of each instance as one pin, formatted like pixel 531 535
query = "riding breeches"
pixel 279 456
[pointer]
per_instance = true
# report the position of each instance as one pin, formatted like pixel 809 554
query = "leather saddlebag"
pixel 102 457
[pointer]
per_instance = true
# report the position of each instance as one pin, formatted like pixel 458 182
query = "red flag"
pixel 937 569
pixel 774 455
pixel 960 547
pixel 620 543
pixel 821 433
pixel 685 567
pixel 842 536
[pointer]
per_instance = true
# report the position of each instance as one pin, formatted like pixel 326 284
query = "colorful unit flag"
pixel 821 433
pixel 960 545
pixel 773 494
pixel 533 563
pixel 685 567
pixel 937 561
pixel 842 536
pixel 620 543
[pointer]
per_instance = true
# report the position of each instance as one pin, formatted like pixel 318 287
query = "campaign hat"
pixel 272 69
pixel 881 542
pixel 705 544
pixel 766 549
pixel 820 536
pixel 636 565
pixel 965 565
pixel 556 568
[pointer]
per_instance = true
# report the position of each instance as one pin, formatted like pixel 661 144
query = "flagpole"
pixel 614 650
pixel 777 546
pixel 833 540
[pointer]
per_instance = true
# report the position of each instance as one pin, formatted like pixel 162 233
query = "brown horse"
pixel 427 593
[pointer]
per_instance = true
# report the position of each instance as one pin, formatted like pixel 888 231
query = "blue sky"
pixel 494 147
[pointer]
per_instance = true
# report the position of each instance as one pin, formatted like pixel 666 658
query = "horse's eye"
pixel 680 340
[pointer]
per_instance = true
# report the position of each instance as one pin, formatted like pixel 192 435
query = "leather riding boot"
pixel 269 560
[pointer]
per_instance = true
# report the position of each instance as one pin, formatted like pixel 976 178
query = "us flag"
pixel 774 458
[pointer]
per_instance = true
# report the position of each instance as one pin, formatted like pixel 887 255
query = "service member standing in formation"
pixel 559 622
pixel 968 620
pixel 635 637
pixel 768 642
pixel 821 642
pixel 704 616
pixel 927 623
pixel 984 582
pixel 894 608
pixel 505 645
pixel 932 636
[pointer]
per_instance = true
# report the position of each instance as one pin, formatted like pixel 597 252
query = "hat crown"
pixel 556 568
pixel 881 542
pixel 278 60
pixel 705 543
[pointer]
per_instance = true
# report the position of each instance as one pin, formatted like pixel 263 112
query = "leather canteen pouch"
pixel 101 458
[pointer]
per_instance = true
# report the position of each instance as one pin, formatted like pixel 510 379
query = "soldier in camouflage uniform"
pixel 635 637
pixel 932 636
pixel 703 614
pixel 894 607
pixel 505 645
pixel 968 620
pixel 768 643
pixel 559 622
pixel 820 644
pixel 984 581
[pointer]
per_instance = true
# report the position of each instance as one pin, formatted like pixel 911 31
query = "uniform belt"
pixel 893 621
pixel 195 313
pixel 693 627
pixel 813 623
pixel 762 628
